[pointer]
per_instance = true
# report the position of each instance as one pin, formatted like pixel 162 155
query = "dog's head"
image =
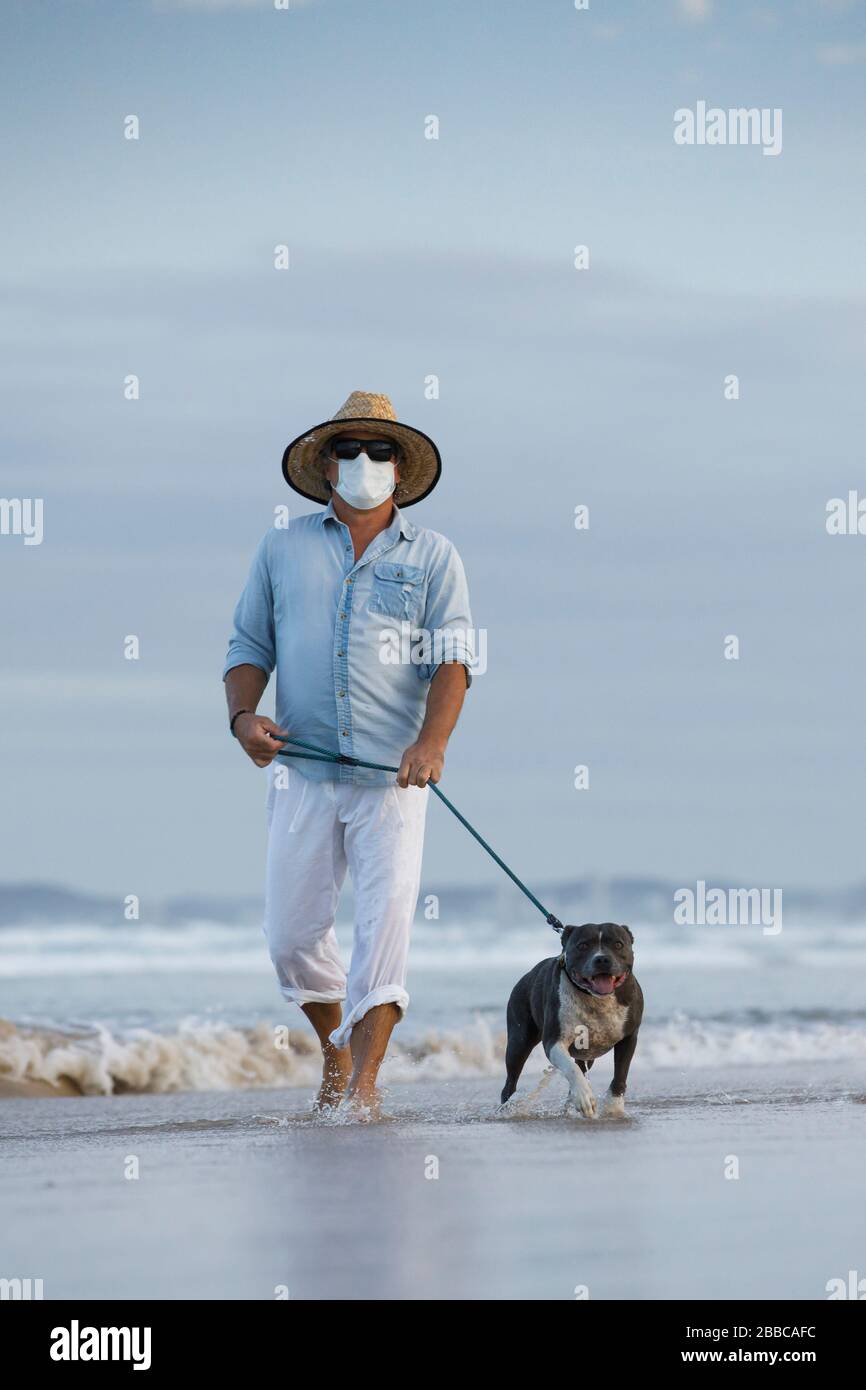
pixel 598 957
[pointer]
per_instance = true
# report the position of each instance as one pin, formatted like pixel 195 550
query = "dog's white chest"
pixel 594 1025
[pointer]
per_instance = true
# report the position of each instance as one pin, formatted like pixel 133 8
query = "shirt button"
pixel 341 693
pixel 345 733
pixel 339 653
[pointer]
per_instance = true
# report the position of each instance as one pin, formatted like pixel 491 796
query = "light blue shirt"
pixel 355 643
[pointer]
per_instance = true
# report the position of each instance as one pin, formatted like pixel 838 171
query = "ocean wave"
pixel 215 1057
pixel 207 948
pixel 195 1057
pixel 689 1043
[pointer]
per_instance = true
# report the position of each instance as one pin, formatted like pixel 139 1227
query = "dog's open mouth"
pixel 603 984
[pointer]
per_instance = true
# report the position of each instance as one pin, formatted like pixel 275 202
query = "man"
pixel 327 602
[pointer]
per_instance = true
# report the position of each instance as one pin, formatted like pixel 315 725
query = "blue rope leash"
pixel 323 755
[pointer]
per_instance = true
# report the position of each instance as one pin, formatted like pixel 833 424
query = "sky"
pixel 452 257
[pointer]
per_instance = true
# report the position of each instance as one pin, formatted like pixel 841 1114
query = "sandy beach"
pixel 242 1192
pixel 153 1052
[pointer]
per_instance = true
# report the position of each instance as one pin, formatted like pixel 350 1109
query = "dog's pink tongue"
pixel 604 984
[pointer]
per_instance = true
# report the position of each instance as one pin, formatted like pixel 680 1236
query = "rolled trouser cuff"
pixel 309 996
pixel 382 994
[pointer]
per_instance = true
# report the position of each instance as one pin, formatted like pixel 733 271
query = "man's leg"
pixel 306 867
pixel 337 1067
pixel 370 1038
pixel 384 841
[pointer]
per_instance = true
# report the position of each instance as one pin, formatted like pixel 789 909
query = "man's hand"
pixel 253 732
pixel 421 763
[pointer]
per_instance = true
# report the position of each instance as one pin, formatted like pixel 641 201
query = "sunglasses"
pixel 380 450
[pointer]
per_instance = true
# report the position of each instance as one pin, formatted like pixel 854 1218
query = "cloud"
pixel 608 33
pixel 47 686
pixel 212 5
pixel 219 6
pixel 695 11
pixel 839 55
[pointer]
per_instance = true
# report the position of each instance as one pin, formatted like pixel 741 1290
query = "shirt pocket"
pixel 398 591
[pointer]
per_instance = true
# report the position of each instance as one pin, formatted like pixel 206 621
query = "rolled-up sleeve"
pixel 447 619
pixel 252 641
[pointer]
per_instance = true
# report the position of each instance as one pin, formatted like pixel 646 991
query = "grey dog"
pixel 579 1005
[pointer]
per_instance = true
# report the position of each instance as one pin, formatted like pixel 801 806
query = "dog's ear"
pixel 629 930
pixel 566 931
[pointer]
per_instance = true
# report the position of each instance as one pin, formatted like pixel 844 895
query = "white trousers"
pixel 316 830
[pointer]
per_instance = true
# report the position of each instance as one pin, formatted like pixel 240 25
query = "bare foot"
pixel 363 1104
pixel 336 1072
pixel 368 1043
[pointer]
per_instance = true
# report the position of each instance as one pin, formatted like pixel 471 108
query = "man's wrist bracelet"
pixel 237 714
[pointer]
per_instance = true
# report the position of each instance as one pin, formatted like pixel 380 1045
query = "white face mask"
pixel 364 483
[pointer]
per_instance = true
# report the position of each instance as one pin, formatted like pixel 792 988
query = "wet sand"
pixel 241 1192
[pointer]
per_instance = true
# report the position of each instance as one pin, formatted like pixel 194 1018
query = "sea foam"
pixel 198 1056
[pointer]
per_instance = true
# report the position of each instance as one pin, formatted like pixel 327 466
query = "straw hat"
pixel 419 466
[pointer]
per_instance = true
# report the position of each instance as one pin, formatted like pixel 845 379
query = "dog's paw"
pixel 614 1106
pixel 587 1104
